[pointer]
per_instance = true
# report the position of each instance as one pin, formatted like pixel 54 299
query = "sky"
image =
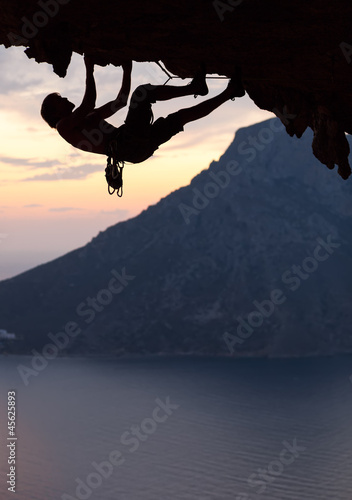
pixel 53 197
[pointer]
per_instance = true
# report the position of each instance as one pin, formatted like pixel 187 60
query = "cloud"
pixel 30 163
pixel 24 78
pixel 120 213
pixel 63 209
pixel 33 205
pixel 71 173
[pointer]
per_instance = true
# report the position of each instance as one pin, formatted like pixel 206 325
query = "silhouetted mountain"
pixel 201 262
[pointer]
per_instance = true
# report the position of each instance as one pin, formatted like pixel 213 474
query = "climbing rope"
pixel 113 174
pixel 113 171
pixel 173 77
pixel 114 168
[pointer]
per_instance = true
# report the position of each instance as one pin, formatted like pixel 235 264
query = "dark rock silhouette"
pixel 139 136
pixel 296 57
pixel 182 273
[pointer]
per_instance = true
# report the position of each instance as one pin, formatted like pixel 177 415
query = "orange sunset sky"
pixel 53 198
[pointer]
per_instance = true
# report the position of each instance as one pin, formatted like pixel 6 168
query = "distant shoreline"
pixel 157 356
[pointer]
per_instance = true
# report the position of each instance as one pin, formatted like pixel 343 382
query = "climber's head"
pixel 54 108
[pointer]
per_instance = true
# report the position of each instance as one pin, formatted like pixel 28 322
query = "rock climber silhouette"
pixel 139 137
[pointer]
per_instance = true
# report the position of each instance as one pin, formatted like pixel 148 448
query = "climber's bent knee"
pixel 165 128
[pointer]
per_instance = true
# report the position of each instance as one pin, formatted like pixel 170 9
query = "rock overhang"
pixel 295 58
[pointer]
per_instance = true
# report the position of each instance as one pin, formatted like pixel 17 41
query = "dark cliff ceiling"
pixel 295 56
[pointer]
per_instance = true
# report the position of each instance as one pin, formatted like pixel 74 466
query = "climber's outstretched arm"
pixel 121 100
pixel 88 103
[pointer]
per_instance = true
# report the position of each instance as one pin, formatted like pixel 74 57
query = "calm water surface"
pixel 91 428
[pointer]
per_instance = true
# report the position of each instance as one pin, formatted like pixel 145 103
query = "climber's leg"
pixel 140 114
pixel 152 93
pixel 165 128
pixel 198 86
pixel 234 89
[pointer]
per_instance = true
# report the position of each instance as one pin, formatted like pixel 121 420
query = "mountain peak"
pixel 247 236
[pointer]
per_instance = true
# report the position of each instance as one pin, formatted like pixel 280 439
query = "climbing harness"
pixel 113 171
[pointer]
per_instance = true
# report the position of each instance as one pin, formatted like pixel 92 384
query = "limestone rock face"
pixel 295 57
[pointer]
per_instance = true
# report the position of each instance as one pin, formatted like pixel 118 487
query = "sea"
pixel 177 428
